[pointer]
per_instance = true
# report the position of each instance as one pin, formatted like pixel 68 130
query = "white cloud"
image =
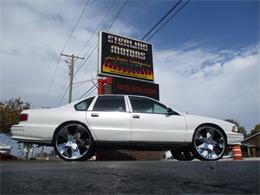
pixel 225 90
pixel 32 36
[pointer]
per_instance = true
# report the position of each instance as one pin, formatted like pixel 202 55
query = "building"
pixel 251 145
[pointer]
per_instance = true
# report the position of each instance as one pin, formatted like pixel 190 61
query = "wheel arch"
pixel 212 125
pixel 70 122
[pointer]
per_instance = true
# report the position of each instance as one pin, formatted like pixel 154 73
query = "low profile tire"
pixel 183 154
pixel 209 143
pixel 73 142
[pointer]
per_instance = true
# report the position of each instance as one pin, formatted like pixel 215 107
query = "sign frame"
pixel 106 74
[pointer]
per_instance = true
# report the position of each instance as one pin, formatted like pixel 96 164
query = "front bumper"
pixel 235 138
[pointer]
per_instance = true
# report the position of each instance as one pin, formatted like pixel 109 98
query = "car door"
pixel 109 119
pixel 151 122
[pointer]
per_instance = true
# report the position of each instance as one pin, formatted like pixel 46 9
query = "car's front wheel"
pixel 74 142
pixel 209 143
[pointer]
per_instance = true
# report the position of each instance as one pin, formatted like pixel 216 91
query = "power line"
pixel 161 19
pixel 93 87
pixel 91 51
pixel 64 94
pixel 118 14
pixel 169 19
pixel 81 65
pixel 51 83
pixel 66 43
pixel 78 84
pixel 88 94
pixel 102 20
pixel 70 36
pixel 85 81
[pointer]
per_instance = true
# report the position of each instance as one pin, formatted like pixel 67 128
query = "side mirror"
pixel 170 111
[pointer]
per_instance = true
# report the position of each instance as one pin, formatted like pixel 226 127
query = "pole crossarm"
pixel 72 56
pixel 71 71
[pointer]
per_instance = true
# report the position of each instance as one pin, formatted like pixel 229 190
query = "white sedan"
pixel 124 121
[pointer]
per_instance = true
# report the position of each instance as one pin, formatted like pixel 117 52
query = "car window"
pixel 145 105
pixel 110 103
pixel 83 106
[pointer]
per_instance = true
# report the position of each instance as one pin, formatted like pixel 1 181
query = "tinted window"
pixel 83 106
pixel 145 105
pixel 110 103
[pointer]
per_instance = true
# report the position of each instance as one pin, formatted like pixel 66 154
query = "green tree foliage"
pixel 241 129
pixel 9 113
pixel 255 130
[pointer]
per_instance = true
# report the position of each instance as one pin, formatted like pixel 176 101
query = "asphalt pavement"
pixel 130 177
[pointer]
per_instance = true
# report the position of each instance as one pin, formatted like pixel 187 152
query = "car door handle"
pixel 136 116
pixel 94 115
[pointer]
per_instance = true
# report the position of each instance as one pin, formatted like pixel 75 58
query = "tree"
pixel 241 129
pixel 9 113
pixel 255 130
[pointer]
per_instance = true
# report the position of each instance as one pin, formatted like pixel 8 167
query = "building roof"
pixel 252 136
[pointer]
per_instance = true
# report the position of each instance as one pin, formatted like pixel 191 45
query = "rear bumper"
pixel 17 132
pixel 235 138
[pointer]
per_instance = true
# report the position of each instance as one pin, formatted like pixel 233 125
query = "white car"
pixel 123 121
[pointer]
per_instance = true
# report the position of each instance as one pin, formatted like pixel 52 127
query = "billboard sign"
pixel 124 57
pixel 132 87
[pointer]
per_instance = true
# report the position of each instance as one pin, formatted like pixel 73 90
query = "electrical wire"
pixel 63 95
pixel 45 100
pixel 169 19
pixel 88 94
pixel 76 25
pixel 91 51
pixel 93 87
pixel 66 43
pixel 85 81
pixel 98 27
pixel 96 45
pixel 154 26
pixel 81 65
pixel 118 14
pixel 78 84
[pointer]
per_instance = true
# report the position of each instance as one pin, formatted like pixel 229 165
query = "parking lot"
pixel 130 177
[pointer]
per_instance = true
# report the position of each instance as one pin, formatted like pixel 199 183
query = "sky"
pixel 206 59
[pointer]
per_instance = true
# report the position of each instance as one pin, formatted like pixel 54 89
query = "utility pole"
pixel 71 71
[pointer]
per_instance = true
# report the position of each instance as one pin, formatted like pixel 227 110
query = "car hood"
pixel 193 121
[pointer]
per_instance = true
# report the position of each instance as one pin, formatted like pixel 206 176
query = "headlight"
pixel 234 129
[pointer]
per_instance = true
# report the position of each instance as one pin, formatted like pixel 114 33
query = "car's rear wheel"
pixel 209 143
pixel 74 142
pixel 184 154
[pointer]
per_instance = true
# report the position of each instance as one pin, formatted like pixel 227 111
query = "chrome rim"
pixel 73 141
pixel 209 143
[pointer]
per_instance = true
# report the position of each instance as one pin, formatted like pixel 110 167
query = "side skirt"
pixel 140 145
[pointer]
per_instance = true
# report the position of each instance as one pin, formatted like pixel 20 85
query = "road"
pixel 130 177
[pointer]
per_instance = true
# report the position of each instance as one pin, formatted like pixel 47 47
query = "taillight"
pixel 23 117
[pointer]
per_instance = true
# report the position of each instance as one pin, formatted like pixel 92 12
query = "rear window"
pixel 110 103
pixel 83 106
